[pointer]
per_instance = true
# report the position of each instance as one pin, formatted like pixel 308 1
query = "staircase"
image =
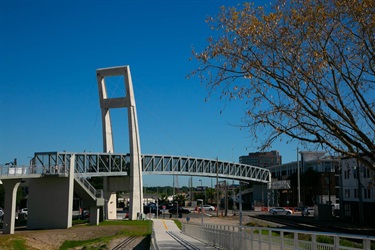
pixel 90 195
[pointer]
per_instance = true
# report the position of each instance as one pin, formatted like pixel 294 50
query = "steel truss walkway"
pixel 111 164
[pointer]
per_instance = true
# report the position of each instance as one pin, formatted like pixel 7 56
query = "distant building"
pixel 262 159
pixel 357 191
pixel 321 188
pixel 256 195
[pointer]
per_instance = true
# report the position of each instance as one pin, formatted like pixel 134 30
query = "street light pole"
pixel 240 205
pixel 226 198
pixel 201 210
pixel 202 187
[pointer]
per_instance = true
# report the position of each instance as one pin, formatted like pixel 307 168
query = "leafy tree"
pixel 305 70
pixel 211 195
pixel 163 199
pixel 180 199
pixel 199 195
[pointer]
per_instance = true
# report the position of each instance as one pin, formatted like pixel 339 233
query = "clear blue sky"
pixel 50 51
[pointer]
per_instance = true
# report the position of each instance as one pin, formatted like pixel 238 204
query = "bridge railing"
pixel 236 237
pixel 27 171
pixel 97 193
pixel 19 171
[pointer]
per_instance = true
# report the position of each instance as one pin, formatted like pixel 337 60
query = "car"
pixel 23 211
pixel 181 210
pixel 125 210
pixel 1 215
pixel 207 208
pixel 22 214
pixel 85 214
pixel 151 209
pixel 308 211
pixel 280 210
pixel 299 209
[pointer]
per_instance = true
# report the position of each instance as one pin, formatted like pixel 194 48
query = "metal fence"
pixel 236 237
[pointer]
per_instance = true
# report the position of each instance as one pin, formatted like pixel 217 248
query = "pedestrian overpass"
pixel 54 177
pixel 88 165
pixel 62 173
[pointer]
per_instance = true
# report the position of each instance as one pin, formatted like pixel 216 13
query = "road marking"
pixel 165 225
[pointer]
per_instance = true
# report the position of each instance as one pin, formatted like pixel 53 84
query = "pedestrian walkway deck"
pixel 169 236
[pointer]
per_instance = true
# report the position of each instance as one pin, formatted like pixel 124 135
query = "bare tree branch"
pixel 305 70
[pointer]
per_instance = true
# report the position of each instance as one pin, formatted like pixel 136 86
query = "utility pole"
pixel 217 188
pixel 226 198
pixel 299 181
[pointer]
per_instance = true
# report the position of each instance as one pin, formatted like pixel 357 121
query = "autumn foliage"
pixel 305 70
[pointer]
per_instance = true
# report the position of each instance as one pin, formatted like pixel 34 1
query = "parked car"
pixel 299 209
pixel 207 208
pixel 308 211
pixel 22 214
pixel 125 210
pixel 1 214
pixel 151 209
pixel 85 214
pixel 23 211
pixel 280 210
pixel 181 210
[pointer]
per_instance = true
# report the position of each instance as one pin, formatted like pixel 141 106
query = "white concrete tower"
pixel 136 185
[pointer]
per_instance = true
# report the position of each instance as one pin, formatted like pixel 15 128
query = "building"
pixel 257 193
pixel 318 178
pixel 261 159
pixel 357 191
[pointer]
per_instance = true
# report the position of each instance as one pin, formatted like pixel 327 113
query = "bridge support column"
pixel 10 187
pixel 50 201
pixel 110 203
pixel 94 215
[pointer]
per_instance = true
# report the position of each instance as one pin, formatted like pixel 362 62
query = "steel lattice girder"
pixel 107 164
pixel 161 164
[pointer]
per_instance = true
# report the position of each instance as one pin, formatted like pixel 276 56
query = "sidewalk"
pixel 169 236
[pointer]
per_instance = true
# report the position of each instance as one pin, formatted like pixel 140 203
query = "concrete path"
pixel 169 236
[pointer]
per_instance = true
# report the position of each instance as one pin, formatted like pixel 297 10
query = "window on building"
pixel 366 173
pixel 347 210
pixel 327 166
pixel 347 193
pixel 367 193
pixel 355 193
pixel 346 174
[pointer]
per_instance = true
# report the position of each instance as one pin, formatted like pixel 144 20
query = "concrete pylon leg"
pixel 136 195
pixel 136 183
pixel 109 200
pixel 10 187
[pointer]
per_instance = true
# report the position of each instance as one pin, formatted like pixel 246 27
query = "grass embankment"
pixel 178 224
pixel 133 228
pixel 126 228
